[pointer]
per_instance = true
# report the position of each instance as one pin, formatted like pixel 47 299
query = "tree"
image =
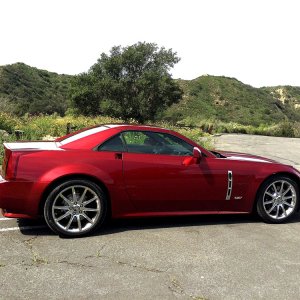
pixel 131 82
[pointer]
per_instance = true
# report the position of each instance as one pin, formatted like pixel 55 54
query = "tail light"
pixel 7 154
pixel 10 163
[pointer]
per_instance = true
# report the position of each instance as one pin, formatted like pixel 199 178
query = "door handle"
pixel 118 155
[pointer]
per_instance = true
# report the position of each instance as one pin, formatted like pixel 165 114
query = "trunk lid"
pixel 13 151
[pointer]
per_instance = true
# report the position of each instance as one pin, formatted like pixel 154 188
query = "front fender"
pixel 262 175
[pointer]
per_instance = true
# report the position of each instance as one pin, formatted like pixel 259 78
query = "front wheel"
pixel 75 208
pixel 278 199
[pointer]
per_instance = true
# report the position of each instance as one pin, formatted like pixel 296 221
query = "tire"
pixel 278 199
pixel 75 208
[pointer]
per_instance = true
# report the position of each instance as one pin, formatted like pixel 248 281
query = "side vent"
pixel 229 185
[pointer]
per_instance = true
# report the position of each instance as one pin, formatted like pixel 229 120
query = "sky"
pixel 255 41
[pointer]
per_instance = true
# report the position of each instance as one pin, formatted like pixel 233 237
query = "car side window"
pixel 176 145
pixel 138 142
pixel 114 144
pixel 149 142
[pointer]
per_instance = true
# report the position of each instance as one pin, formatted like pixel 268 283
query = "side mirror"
pixel 197 154
pixel 195 159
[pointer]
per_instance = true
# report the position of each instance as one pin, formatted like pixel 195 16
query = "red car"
pixel 126 171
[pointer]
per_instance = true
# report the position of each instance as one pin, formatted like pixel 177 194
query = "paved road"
pixel 210 257
pixel 284 150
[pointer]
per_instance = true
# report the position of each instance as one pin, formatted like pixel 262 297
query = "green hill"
pixel 24 89
pixel 229 100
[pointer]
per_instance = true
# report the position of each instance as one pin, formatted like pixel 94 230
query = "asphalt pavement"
pixel 204 257
pixel 282 149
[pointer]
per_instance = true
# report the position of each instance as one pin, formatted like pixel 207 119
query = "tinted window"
pixel 156 143
pixel 177 145
pixel 114 144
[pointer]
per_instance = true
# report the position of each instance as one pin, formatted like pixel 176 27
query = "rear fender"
pixel 70 169
pixel 118 196
pixel 35 189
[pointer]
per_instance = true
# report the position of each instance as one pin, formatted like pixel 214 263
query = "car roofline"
pixel 115 125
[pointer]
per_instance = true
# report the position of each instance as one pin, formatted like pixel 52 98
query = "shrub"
pixel 8 122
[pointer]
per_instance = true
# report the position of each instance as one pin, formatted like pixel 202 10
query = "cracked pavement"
pixel 204 257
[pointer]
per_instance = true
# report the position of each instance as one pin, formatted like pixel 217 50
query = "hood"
pixel 246 157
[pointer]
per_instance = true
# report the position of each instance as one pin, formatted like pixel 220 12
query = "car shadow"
pixel 34 227
pixel 39 227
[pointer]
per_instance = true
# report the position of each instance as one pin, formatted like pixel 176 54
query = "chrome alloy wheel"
pixel 279 199
pixel 76 209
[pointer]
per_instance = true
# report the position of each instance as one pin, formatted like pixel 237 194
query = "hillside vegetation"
pixel 229 100
pixel 288 95
pixel 213 103
pixel 24 89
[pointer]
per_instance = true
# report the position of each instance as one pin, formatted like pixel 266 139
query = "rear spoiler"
pixel 29 146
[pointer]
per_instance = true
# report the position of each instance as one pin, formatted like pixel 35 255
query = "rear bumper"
pixel 14 215
pixel 18 199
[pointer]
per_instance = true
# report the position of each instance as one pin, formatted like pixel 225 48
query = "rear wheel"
pixel 75 208
pixel 278 199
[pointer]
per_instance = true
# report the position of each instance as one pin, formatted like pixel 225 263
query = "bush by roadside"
pixel 283 129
